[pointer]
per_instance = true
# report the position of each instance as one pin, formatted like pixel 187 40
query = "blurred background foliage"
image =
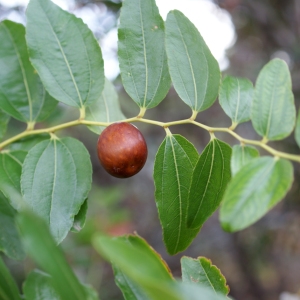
pixel 261 262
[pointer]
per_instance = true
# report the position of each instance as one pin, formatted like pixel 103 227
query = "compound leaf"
pixel 143 61
pixel 173 169
pixel 194 71
pixel 202 272
pixel 254 190
pixel 210 178
pixel 273 108
pixel 10 242
pixel 241 155
pixel 236 98
pixel 105 109
pixel 65 53
pixel 22 94
pixel 55 181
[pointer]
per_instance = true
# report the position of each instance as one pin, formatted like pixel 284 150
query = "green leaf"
pixel 4 118
pixel 140 263
pixel 65 53
pixel 297 131
pixel 210 178
pixel 105 109
pixel 236 98
pixel 55 181
pixel 8 287
pixel 38 285
pixel 80 218
pixel 202 272
pixel 194 71
pixel 241 155
pixel 42 249
pixel 142 57
pixel 254 190
pixel 10 242
pixel 173 169
pixel 22 94
pixel 273 108
pixel 10 174
pixel 130 289
pixel 194 292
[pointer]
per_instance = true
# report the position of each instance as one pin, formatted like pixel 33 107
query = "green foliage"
pixel 22 94
pixel 273 110
pixel 63 168
pixel 40 245
pixel 241 155
pixel 141 53
pixel 74 78
pixel 201 271
pixel 39 285
pixel 10 242
pixel 194 71
pixel 4 118
pixel 105 109
pixel 10 173
pixel 8 287
pixel 254 190
pixel 297 131
pixel 173 169
pixel 45 180
pixel 209 181
pixel 236 98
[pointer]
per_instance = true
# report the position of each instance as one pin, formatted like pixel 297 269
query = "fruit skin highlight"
pixel 122 150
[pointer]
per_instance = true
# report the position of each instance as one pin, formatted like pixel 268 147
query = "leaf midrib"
pixel 23 73
pixel 65 58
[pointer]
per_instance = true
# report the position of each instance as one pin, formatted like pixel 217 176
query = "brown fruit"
pixel 122 150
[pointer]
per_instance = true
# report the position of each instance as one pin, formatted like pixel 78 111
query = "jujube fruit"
pixel 122 150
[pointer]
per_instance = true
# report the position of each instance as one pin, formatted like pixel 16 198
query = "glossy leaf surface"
pixel 10 242
pixel 42 249
pixel 254 190
pixel 273 109
pixel 241 155
pixel 202 272
pixel 297 130
pixel 142 57
pixel 173 169
pixel 236 98
pixel 65 53
pixel 129 288
pixel 22 94
pixel 8 287
pixel 56 179
pixel 38 285
pixel 4 118
pixel 210 178
pixel 194 71
pixel 10 173
pixel 105 109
